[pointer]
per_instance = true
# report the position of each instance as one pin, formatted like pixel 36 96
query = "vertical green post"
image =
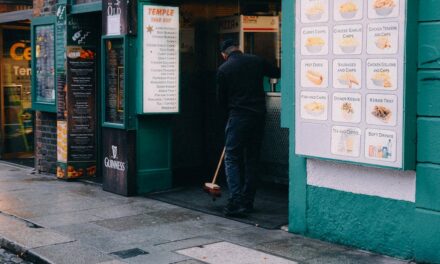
pixel 297 165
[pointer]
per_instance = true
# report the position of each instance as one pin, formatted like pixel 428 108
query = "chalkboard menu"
pixel 114 81
pixel 45 63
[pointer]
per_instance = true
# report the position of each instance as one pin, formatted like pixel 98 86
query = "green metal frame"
pixel 103 82
pixel 38 105
pixel 140 69
pixel 410 92
pixel 86 8
pixel 82 8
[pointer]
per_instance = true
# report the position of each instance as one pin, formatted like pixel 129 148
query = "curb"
pixel 23 252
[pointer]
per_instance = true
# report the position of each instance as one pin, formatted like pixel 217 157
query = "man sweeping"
pixel 240 90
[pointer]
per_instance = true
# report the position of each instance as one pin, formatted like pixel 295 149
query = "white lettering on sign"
pixel 112 163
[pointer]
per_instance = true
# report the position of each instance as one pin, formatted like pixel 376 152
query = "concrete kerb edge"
pixel 23 252
pixel 15 165
pixel 32 170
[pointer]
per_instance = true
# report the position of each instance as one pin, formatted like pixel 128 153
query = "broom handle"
pixel 219 166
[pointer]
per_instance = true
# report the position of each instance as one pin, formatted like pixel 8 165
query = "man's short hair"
pixel 228 46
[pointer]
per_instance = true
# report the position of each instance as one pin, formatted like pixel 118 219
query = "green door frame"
pixel 297 165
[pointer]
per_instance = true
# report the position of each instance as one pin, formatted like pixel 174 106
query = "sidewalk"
pixel 55 221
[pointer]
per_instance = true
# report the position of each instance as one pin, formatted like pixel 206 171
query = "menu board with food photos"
pixel 350 64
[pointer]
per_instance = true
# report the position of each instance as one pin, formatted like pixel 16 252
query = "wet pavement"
pixel 57 221
pixel 7 257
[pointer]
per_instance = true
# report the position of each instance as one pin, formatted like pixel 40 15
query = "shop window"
pixel 43 64
pixel 17 123
pixel 114 82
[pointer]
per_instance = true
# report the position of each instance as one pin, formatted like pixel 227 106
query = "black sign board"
pixel 81 95
pixel 119 167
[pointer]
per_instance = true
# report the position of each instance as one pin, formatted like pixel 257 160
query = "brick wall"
pixel 45 127
pixel 44 7
pixel 427 231
pixel 45 142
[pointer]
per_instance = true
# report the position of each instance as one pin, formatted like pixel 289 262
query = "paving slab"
pixel 224 252
pixel 181 244
pixel 158 258
pixel 252 236
pixel 301 249
pixel 113 262
pixel 353 257
pixel 55 220
pixel 189 261
pixel 72 205
pixel 72 253
pixel 29 237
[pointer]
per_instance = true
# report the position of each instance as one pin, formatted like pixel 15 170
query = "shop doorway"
pixel 198 130
pixel 17 118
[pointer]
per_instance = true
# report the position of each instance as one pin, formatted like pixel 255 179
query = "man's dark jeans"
pixel 244 133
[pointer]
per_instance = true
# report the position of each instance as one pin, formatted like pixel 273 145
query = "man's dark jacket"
pixel 240 82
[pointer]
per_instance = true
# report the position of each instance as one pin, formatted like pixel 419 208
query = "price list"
pixel 114 94
pixel 161 59
pixel 81 103
pixel 350 80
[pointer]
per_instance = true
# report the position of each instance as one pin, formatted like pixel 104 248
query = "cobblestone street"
pixel 7 257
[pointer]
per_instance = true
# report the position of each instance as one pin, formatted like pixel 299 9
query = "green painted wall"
pixel 427 246
pixel 427 215
pixel 366 222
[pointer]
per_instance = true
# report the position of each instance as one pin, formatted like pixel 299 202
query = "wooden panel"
pixel 429 141
pixel 428 99
pixel 428 187
pixel 119 170
pixel 429 45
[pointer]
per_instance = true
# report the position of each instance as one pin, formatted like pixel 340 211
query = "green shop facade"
pixel 128 87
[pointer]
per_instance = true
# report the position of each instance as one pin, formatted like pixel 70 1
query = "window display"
pixel 45 63
pixel 114 81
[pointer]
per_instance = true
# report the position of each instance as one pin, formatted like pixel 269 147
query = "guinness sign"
pixel 119 170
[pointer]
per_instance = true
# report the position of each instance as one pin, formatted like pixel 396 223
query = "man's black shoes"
pixel 248 208
pixel 234 209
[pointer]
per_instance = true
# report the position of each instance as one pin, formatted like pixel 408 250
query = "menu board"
pixel 81 79
pixel 45 63
pixel 115 85
pixel 161 59
pixel 350 80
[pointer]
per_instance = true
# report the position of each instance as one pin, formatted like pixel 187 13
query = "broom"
pixel 210 187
